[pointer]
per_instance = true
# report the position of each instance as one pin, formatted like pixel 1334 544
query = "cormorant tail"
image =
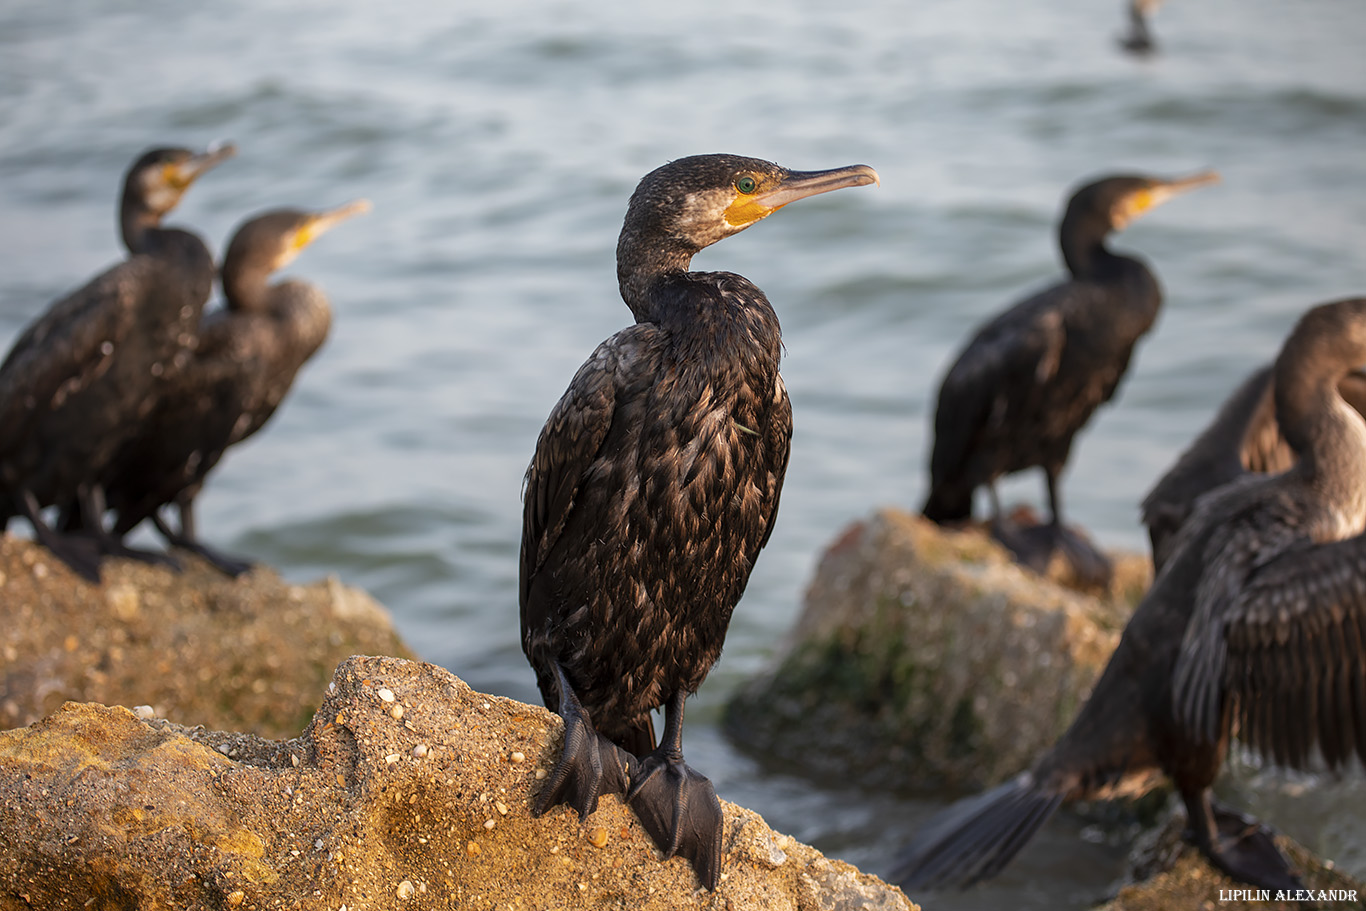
pixel 973 839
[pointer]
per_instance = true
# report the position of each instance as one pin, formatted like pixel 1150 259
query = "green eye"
pixel 746 184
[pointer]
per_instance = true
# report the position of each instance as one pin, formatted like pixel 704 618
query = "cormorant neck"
pixel 246 288
pixel 1082 239
pixel 642 262
pixel 135 223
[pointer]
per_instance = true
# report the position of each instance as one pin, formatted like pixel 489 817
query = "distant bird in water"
pixel 1255 625
pixel 1139 38
pixel 654 485
pixel 1243 438
pixel 1034 374
pixel 249 352
pixel 82 375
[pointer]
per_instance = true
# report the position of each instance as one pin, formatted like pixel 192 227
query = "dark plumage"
pixel 654 485
pixel 248 354
pixel 85 372
pixel 1034 374
pixel 1243 437
pixel 1139 39
pixel 1255 625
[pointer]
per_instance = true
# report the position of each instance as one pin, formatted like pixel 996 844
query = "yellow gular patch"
pixel 304 236
pixel 1139 203
pixel 173 176
pixel 746 210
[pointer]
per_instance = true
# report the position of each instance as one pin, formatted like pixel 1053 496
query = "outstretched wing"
pixel 1296 655
pixel 1275 643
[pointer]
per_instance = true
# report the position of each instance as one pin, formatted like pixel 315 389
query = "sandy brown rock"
pixel 247 654
pixel 1168 873
pixel 408 790
pixel 927 657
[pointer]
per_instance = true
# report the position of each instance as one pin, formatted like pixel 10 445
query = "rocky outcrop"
pixel 927 655
pixel 1166 872
pixel 248 654
pixel 407 790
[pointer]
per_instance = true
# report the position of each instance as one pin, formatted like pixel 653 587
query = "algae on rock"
pixel 927 655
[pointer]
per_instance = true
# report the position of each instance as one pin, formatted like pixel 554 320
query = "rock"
pixel 1166 872
pixel 247 654
pixel 927 656
pixel 368 809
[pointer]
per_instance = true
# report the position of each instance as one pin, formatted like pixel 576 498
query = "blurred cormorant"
pixel 81 376
pixel 1139 39
pixel 249 352
pixel 654 485
pixel 1243 437
pixel 1033 375
pixel 1254 625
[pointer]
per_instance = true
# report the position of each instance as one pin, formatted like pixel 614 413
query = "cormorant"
pixel 80 376
pixel 249 352
pixel 1033 375
pixel 1243 437
pixel 654 485
pixel 1255 625
pixel 1139 39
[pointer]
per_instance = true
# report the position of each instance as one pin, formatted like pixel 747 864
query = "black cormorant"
pixel 1033 375
pixel 654 485
pixel 1243 437
pixel 79 378
pixel 1139 38
pixel 1255 625
pixel 249 352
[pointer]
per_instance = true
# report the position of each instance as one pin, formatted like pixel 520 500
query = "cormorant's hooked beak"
pixel 183 173
pixel 1156 193
pixel 319 222
pixel 794 185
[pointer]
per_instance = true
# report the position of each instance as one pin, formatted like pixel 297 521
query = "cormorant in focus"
pixel 654 485
pixel 81 376
pixel 249 352
pixel 1033 375
pixel 1243 437
pixel 1254 625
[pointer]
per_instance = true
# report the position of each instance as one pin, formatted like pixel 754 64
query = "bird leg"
pixel 79 553
pixel 1238 845
pixel 185 540
pixel 90 497
pixel 590 765
pixel 676 804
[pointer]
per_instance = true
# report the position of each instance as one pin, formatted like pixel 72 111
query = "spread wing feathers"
pixel 993 381
pixel 568 444
pixel 1245 615
pixel 973 839
pixel 1295 664
pixel 69 346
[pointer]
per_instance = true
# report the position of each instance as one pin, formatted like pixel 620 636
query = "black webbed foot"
pixel 1037 544
pixel 228 566
pixel 590 765
pixel 1246 850
pixel 678 807
pixel 111 546
pixel 80 552
pixel 1239 845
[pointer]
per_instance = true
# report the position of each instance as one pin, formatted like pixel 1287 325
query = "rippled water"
pixel 499 143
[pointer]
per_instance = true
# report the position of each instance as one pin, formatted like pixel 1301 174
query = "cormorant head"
pixel 1111 203
pixel 690 203
pixel 158 179
pixel 270 241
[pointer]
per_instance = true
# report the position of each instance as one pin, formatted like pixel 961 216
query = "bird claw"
pixel 590 766
pixel 678 807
